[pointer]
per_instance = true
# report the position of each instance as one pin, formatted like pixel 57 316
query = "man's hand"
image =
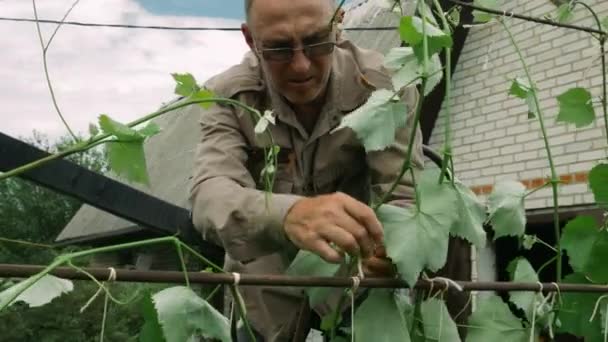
pixel 316 223
pixel 378 265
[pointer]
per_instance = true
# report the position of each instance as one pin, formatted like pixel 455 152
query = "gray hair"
pixel 248 4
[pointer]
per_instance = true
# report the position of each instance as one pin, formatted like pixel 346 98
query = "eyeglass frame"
pixel 289 52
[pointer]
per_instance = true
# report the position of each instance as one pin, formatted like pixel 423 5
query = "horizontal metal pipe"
pixel 102 274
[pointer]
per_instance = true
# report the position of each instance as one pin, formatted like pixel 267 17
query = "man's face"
pixel 276 24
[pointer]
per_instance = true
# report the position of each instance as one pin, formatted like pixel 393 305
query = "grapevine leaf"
pixel 528 241
pixel 435 74
pixel 40 293
pixel 595 268
pixel 185 84
pixel 525 300
pixel 151 330
pixel 264 121
pixel 377 120
pixel 472 215
pixel 410 29
pixel 598 181
pixel 119 130
pixel 576 107
pixel 403 61
pixel 379 318
pixel 506 209
pixel 93 129
pixel 521 88
pixel 564 13
pixel 576 309
pixel 493 321
pixel 127 159
pixel 311 265
pixel 184 316
pixel 203 94
pixel 418 239
pixel 438 324
pixel 577 240
pixel 483 17
pixel 150 129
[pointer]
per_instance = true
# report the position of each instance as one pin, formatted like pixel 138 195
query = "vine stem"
pixel 447 147
pixel 45 64
pixel 66 259
pixel 336 316
pixel 98 139
pixel 554 180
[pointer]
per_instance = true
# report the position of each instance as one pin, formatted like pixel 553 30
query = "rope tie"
pixel 111 278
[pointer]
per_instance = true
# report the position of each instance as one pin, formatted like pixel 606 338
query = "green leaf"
pixel 435 74
pixel 564 13
pixel 403 61
pixel 577 240
pixel 93 130
pixel 506 209
pixel 184 316
pixel 151 129
pixel 521 88
pixel 119 130
pixel 127 159
pixel 525 300
pixel 376 122
pixel 410 29
pixel 379 319
pixel 595 268
pixel 576 310
pixel 311 265
pixel 438 324
pixel 605 24
pixel 40 293
pixel 418 239
pixel 151 330
pixel 493 321
pixel 262 124
pixel 472 215
pixel 483 17
pixel 185 84
pixel 576 107
pixel 528 241
pixel 598 182
pixel 203 94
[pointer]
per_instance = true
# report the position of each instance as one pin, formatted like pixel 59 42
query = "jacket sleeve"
pixel 226 205
pixel 385 165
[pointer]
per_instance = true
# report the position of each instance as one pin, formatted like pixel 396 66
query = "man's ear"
pixel 248 37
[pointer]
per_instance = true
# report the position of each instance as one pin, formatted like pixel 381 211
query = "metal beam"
pixel 156 216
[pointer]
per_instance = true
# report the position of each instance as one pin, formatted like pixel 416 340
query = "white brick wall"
pixel 493 138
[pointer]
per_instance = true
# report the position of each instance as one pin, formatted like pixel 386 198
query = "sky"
pixel 125 73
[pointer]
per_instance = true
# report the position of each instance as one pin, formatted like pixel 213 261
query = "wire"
pixel 172 28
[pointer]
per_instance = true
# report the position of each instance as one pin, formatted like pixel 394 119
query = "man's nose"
pixel 300 62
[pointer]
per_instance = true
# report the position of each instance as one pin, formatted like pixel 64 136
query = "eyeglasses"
pixel 286 54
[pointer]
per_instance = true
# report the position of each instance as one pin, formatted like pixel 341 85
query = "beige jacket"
pixel 227 197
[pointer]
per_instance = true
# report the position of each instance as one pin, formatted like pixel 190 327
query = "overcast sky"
pixel 122 72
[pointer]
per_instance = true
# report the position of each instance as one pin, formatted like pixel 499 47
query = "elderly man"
pixel 299 68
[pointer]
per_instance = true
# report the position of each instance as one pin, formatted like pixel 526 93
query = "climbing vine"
pixel 416 237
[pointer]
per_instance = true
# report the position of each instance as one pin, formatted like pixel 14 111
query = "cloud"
pixel 122 72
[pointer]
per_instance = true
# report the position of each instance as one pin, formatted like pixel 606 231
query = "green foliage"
pixel 598 181
pixel 576 310
pixel 380 319
pixel 376 122
pixel 310 264
pixel 183 316
pixel 408 70
pixel 605 24
pixel 411 30
pixel 483 17
pixel 523 272
pixel 264 120
pixel 185 84
pixel 40 293
pixel 438 324
pixel 595 268
pixel 493 321
pixel 472 215
pixel 522 89
pixel 577 240
pixel 576 107
pixel 506 209
pixel 151 331
pixel 564 13
pixel 415 238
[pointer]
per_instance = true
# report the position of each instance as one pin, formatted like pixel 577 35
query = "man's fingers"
pixel 379 267
pixel 358 231
pixel 366 216
pixel 324 250
pixel 342 238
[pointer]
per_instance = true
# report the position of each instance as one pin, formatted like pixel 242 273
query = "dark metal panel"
pixel 158 217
